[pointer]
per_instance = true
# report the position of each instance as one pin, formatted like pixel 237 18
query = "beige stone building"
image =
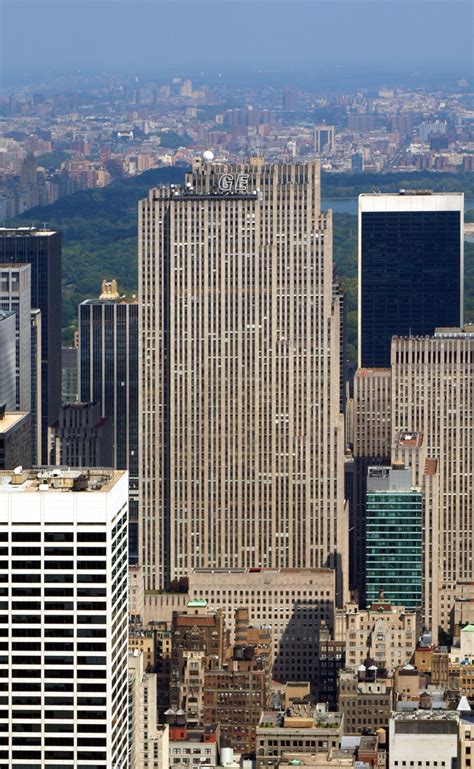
pixel 365 699
pixel 465 757
pixel 371 425
pixel 385 633
pixel 243 441
pixel 433 394
pixel 302 729
pixel 148 741
pixel 411 449
pixel 136 592
pixel 292 602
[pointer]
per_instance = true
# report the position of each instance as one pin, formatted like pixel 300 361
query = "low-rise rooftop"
pixel 58 479
pixel 11 419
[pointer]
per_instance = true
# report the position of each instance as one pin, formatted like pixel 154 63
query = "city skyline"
pixel 236 384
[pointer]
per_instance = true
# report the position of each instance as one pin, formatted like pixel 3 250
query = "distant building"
pixel 36 387
pixel 324 139
pixel 82 437
pixel 108 374
pixel 361 122
pixel 42 250
pixel 15 439
pixel 289 99
pixel 69 386
pixel 394 537
pixel 432 128
pixel 357 163
pixel 7 360
pixel 15 296
pixel 411 269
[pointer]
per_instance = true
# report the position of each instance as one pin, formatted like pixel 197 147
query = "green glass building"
pixel 394 537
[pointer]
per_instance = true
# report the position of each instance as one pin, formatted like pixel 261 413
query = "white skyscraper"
pixel 63 624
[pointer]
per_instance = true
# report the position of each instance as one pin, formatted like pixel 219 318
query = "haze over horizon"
pixel 320 38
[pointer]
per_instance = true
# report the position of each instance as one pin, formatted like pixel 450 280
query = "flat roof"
pixel 427 715
pixel 58 480
pixel 26 231
pixel 411 201
pixel 263 570
pixel 11 419
pixel 15 266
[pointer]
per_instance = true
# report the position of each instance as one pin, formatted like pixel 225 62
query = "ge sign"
pixel 233 182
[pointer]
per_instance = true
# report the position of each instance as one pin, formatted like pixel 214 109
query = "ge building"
pixel 242 460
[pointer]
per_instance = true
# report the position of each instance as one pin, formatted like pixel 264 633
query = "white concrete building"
pixel 63 630
pixel 425 734
pixel 148 741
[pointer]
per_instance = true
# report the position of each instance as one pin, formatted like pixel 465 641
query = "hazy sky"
pixel 310 36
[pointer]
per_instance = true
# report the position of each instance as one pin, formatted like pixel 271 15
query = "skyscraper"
pixel 82 437
pixel 242 436
pixel 394 537
pixel 15 439
pixel 15 296
pixel 433 394
pixel 42 249
pixel 410 268
pixel 324 139
pixel 372 442
pixel 108 374
pixel 64 593
pixel 7 360
pixel 69 358
pixel 36 387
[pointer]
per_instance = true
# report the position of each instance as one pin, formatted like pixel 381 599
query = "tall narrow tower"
pixel 15 296
pixel 108 360
pixel 243 444
pixel 41 249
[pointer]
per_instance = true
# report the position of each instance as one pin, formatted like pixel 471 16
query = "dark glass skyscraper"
pixel 410 268
pixel 108 373
pixel 42 249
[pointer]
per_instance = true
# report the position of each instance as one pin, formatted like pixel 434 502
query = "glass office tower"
pixel 108 373
pixel 410 268
pixel 42 249
pixel 394 537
